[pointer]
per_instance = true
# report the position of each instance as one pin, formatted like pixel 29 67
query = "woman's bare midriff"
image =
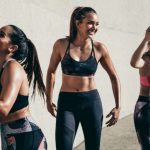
pixel 77 83
pixel 16 115
pixel 145 91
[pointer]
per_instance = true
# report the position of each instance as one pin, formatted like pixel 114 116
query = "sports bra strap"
pixel 93 48
pixel 68 47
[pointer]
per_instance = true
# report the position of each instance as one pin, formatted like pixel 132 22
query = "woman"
pixel 19 66
pixel 141 61
pixel 79 100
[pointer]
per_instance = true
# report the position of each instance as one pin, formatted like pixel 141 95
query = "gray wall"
pixel 122 27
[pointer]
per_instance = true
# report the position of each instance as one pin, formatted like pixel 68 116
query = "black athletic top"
pixel 21 100
pixel 87 67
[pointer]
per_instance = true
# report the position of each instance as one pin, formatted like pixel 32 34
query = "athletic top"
pixel 145 80
pixel 21 100
pixel 87 67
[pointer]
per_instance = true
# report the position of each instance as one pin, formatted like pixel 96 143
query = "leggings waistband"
pixel 144 98
pixel 77 97
pixel 78 93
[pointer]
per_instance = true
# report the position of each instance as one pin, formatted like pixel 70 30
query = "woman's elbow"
pixel 133 64
pixel 4 111
pixel 114 78
pixel 136 65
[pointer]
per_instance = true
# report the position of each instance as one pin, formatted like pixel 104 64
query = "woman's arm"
pixel 137 60
pixel 107 64
pixel 50 80
pixel 11 81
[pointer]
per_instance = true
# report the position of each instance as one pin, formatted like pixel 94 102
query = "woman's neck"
pixel 81 42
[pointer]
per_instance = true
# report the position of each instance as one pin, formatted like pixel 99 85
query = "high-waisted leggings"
pixel 75 108
pixel 142 121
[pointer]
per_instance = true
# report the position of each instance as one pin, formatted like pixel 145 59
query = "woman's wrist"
pixel 49 101
pixel 118 107
pixel 145 41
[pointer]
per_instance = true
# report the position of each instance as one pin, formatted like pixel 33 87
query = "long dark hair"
pixel 79 14
pixel 26 55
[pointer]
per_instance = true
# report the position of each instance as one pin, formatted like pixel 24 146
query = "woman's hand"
pixel 114 113
pixel 51 107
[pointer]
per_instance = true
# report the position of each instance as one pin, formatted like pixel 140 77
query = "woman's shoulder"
pixel 62 41
pixel 60 46
pixel 13 71
pixel 99 46
pixel 13 66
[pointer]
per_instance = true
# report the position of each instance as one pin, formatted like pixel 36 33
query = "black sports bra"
pixel 21 100
pixel 87 67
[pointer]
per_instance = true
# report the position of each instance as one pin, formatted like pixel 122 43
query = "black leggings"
pixel 75 107
pixel 142 121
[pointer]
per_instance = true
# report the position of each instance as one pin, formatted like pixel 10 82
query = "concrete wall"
pixel 122 27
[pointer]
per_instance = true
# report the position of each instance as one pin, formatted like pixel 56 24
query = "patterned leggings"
pixel 22 134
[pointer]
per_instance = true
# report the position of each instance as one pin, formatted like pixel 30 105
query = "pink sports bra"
pixel 145 80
